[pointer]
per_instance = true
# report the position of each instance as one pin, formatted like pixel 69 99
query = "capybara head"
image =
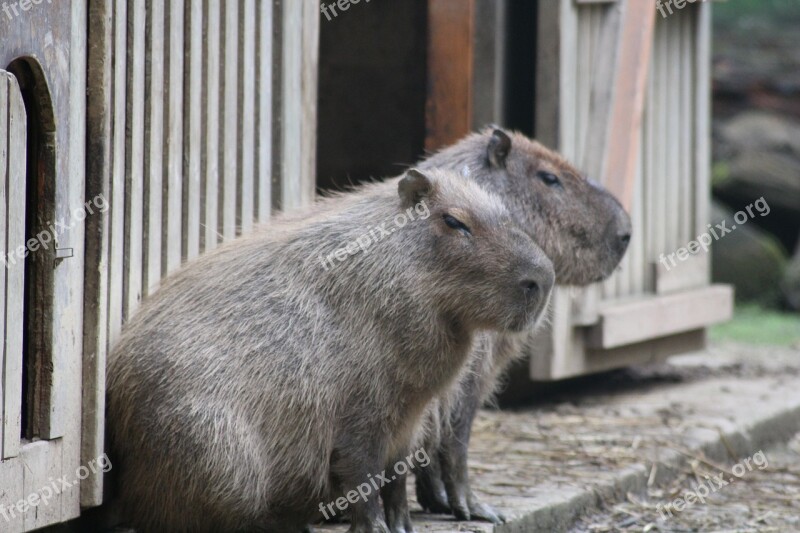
pixel 487 271
pixel 581 227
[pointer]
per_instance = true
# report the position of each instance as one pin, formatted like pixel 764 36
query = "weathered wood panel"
pixel 98 176
pixel 173 143
pixel 134 154
pixel 228 151
pixel 263 193
pixel 245 196
pixel 154 146
pixel 212 15
pixel 192 128
pixel 12 173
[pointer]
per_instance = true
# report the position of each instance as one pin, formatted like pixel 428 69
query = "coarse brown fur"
pixel 260 380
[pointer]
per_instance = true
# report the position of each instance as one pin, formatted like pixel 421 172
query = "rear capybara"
pixel 263 378
pixel 584 231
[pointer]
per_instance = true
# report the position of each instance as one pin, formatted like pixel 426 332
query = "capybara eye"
pixel 454 223
pixel 550 179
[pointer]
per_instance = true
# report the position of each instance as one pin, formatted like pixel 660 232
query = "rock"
pixel 757 130
pixel 749 258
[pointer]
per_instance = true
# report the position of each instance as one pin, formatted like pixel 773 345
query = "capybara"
pixel 584 231
pixel 288 366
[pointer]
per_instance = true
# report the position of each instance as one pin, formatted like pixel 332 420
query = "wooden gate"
pixel 42 119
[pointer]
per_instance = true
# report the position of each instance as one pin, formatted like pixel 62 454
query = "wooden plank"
pixel 488 63
pixel 117 199
pixel 172 216
pixel 11 475
pixel 448 106
pixel 702 116
pixel 14 270
pixel 674 111
pixel 643 353
pixel 193 89
pixel 212 39
pixel 230 130
pixel 247 119
pixel 7 432
pixel 636 37
pixel 548 73
pixel 299 54
pixel 629 322
pixel 42 468
pixel 5 248
pixel 154 147
pixel 98 175
pixel 689 274
pixel 263 184
pixel 134 162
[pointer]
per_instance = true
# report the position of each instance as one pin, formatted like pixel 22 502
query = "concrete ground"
pixel 611 454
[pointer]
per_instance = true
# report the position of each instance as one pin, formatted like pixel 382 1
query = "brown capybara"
pixel 583 230
pixel 285 368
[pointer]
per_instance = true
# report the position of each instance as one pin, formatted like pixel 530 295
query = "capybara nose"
pixel 623 241
pixel 531 288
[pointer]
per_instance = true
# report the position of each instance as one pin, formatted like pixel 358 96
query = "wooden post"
pixel 448 107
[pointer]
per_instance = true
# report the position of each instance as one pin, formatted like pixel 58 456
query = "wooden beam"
pixel 448 107
pixel 627 103
pixel 640 320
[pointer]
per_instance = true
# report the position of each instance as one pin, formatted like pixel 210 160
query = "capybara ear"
pixel 499 146
pixel 414 187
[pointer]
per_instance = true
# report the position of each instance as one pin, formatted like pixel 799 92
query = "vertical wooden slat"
pixel 117 229
pixel 298 102
pixel 154 146
pixel 13 175
pixel 673 110
pixel 212 39
pixel 247 121
pixel 448 107
pixel 192 128
pixel 636 37
pixel 230 131
pixel 15 271
pixel 172 217
pixel 702 115
pixel 134 166
pixel 687 47
pixel 95 308
pixel 264 131
pixel 5 248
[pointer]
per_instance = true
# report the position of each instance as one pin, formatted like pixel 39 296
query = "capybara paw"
pixel 400 522
pixel 432 500
pixel 481 511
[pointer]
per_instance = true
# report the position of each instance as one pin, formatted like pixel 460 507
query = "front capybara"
pixel 286 367
pixel 584 231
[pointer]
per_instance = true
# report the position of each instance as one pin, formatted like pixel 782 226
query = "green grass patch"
pixel 756 325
